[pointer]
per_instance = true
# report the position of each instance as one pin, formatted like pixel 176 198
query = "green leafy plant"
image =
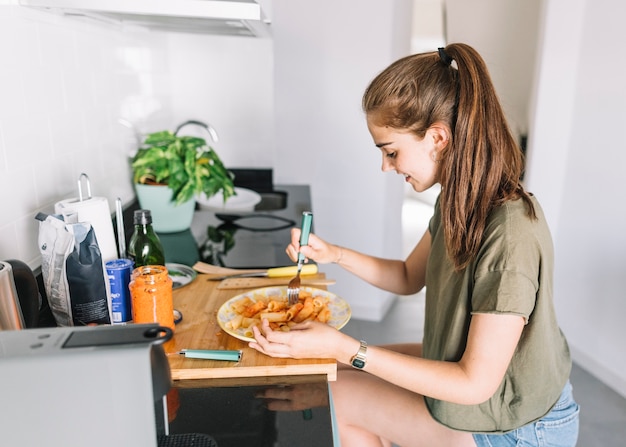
pixel 188 165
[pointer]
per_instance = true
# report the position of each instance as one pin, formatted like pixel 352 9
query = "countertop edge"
pixel 327 369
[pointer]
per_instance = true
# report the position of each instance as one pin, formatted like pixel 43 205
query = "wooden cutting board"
pixel 199 303
pixel 253 283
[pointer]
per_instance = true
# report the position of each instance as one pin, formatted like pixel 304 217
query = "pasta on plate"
pixel 241 313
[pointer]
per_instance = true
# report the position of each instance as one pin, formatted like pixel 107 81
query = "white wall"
pixel 63 85
pixel 293 103
pixel 428 26
pixel 228 82
pixel 325 55
pixel 505 33
pixel 576 162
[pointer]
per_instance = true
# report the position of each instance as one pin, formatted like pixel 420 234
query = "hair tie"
pixel 445 57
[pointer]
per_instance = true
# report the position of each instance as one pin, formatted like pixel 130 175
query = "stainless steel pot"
pixel 11 317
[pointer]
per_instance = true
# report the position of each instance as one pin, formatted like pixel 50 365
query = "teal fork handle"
pixel 307 219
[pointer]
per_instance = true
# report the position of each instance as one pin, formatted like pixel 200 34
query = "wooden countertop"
pixel 199 302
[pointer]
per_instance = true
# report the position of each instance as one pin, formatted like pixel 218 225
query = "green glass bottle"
pixel 145 247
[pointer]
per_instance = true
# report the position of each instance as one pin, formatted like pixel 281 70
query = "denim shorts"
pixel 558 428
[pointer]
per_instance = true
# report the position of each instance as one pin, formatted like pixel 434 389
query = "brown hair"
pixel 481 166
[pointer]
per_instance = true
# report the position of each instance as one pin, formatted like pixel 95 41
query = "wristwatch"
pixel 360 358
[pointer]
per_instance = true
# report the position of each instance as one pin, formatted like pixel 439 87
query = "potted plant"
pixel 170 170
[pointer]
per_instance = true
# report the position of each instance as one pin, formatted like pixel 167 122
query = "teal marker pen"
pixel 208 354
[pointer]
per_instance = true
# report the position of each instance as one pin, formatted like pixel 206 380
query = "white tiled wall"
pixel 64 84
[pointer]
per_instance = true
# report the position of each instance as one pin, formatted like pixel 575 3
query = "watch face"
pixel 358 363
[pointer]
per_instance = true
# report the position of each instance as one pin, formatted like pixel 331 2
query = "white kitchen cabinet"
pixel 223 17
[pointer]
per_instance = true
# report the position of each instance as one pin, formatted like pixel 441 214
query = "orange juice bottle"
pixel 151 295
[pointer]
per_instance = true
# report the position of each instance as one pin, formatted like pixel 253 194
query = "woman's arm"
pixel 396 276
pixel 491 343
pixel 492 340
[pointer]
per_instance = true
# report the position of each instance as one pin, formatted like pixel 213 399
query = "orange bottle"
pixel 151 296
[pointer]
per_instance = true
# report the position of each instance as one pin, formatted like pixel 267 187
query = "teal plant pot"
pixel 167 217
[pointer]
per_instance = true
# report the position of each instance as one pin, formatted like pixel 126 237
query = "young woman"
pixel 493 367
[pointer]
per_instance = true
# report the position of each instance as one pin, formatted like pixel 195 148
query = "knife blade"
pixel 275 272
pixel 253 283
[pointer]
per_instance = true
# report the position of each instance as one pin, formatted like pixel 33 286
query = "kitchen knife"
pixel 275 272
pixel 210 269
pixel 253 283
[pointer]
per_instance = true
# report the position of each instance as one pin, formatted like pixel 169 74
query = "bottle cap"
pixel 142 217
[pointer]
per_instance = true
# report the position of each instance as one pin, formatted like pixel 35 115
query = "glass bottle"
pixel 151 296
pixel 145 247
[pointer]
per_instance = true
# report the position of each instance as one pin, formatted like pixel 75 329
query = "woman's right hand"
pixel 394 275
pixel 317 250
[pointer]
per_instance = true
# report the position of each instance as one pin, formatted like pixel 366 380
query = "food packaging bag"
pixel 96 211
pixel 73 271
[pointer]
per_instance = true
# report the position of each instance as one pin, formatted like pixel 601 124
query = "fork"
pixel 293 288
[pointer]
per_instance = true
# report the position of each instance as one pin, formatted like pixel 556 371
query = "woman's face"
pixel 407 154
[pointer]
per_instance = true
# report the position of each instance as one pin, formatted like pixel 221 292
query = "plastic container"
pixel 151 296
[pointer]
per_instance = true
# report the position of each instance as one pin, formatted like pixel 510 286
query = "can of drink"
pixel 118 272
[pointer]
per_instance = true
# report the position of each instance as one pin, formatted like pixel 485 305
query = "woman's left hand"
pixel 304 340
pixel 300 396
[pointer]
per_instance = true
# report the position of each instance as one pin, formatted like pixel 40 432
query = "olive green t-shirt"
pixel 512 274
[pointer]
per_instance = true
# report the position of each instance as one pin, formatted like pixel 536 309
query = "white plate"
pixel 339 308
pixel 245 200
